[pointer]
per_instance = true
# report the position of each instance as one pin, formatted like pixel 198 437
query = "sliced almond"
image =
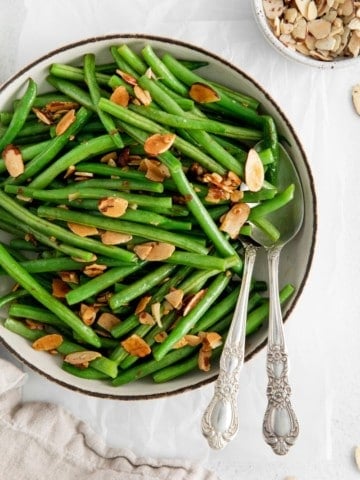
pixel 180 343
pixel 290 15
pixel 204 359
pixel 114 238
pixel 216 195
pixel 82 357
pixel 60 106
pixel 146 319
pixel 234 219
pixel 156 313
pixel 312 12
pixel 192 340
pixel 88 313
pixel 43 116
pixel 82 230
pixel 202 93
pixel 94 270
pixel 69 277
pixel 142 95
pixel 175 298
pixel 48 342
pixel 136 346
pixel 33 325
pixel 108 321
pixel 356 98
pixel 65 122
pixel 144 301
pixel 13 160
pixel 193 301
pixel 113 206
pixel 159 143
pixel 127 77
pixel 319 28
pixel 254 171
pixel 120 96
pixel 302 6
pixel 211 340
pixel 155 170
pixel 236 196
pixel 300 29
pixel 154 251
pixel 160 337
pixel 327 43
pixel 59 288
pixel 357 457
pixel 354 45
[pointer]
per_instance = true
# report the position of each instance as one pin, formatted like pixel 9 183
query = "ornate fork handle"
pixel 280 426
pixel 220 420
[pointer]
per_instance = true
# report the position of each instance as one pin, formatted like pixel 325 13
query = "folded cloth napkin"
pixel 42 440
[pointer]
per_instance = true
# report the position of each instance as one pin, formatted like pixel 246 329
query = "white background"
pixel 323 333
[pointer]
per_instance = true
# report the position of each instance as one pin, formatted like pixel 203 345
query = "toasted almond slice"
pixel 59 288
pixel 113 206
pixel 202 93
pixel 65 122
pixel 273 8
pixel 94 270
pixel 347 8
pixel 180 343
pixel 82 230
pixel 354 45
pixel 211 340
pixel 216 195
pixel 356 98
pixel 108 321
pixel 159 143
pixel 88 313
pixel 254 171
pixel 136 346
pixel 290 15
pixel 120 96
pixel 192 340
pixel 48 342
pixel 144 301
pixel 33 325
pixel 114 238
pixel 13 160
pixel 146 319
pixel 127 77
pixel 194 300
pixel 69 277
pixel 82 357
pixel 175 298
pixel 302 6
pixel 354 24
pixel 234 219
pixel 154 251
pixel 236 196
pixel 43 116
pixel 160 337
pixel 300 29
pixel 357 457
pixel 204 359
pixel 327 43
pixel 156 313
pixel 319 28
pixel 155 170
pixel 142 95
pixel 59 106
pixel 312 12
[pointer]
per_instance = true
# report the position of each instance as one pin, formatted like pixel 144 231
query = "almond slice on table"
pixel 136 346
pixel 234 219
pixel 81 358
pixel 357 457
pixel 82 230
pixel 65 122
pixel 154 251
pixel 356 98
pixel 112 206
pixel 48 342
pixel 120 96
pixel 202 93
pixel 13 160
pixel 159 143
pixel 254 171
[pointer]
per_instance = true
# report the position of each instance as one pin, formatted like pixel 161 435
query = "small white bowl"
pixel 297 255
pixel 262 22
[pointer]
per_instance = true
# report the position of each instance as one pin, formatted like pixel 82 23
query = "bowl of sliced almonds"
pixel 129 167
pixel 319 33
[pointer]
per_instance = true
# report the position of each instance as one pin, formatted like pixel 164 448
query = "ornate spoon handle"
pixel 280 426
pixel 220 420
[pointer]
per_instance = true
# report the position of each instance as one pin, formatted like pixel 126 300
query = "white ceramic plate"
pixel 296 258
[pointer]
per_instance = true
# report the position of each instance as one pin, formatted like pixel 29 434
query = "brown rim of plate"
pixel 216 57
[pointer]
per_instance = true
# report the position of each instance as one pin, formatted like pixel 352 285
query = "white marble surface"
pixel 323 334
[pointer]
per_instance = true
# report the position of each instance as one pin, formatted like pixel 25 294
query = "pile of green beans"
pixel 65 176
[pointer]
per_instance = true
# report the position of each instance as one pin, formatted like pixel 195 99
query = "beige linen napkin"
pixel 42 441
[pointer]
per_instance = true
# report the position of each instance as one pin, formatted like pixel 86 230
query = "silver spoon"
pixel 220 420
pixel 280 425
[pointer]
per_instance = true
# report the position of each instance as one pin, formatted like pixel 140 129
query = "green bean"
pixel 121 63
pixel 20 114
pixel 245 100
pixel 28 282
pixel 10 297
pixel 271 141
pixel 193 123
pixel 228 104
pixel 116 225
pixel 202 261
pixel 268 228
pixel 88 373
pixel 44 227
pixel 97 284
pixel 76 74
pixel 34 313
pixel 72 90
pixel 135 120
pixel 268 206
pixel 109 171
pixel 186 323
pixel 139 287
pixel 43 265
pixel 55 145
pixel 135 62
pixel 141 184
pixel 96 146
pixel 91 79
